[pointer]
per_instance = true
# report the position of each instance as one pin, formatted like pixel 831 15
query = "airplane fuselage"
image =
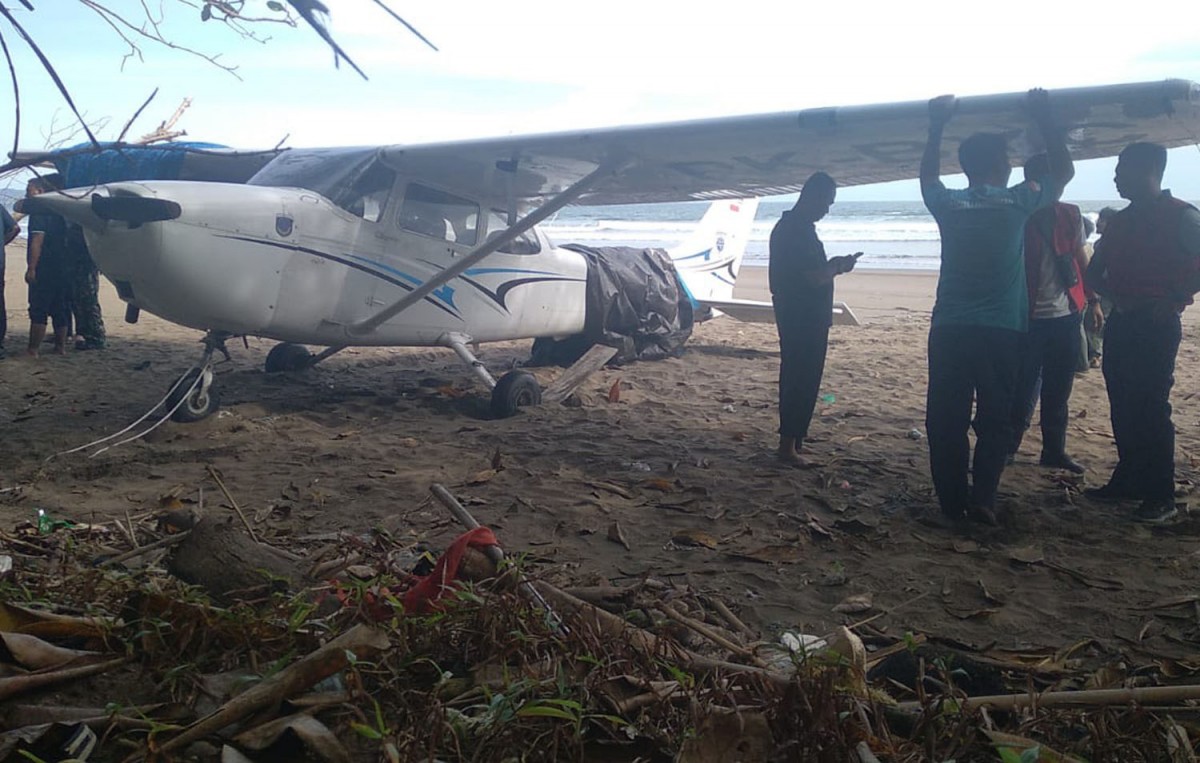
pixel 287 264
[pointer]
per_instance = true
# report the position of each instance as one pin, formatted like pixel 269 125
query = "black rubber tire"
pixel 288 357
pixel 515 390
pixel 198 406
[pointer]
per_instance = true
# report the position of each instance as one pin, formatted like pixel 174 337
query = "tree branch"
pixel 49 69
pixel 12 71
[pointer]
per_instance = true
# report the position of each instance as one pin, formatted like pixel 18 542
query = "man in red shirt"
pixel 1054 263
pixel 1148 263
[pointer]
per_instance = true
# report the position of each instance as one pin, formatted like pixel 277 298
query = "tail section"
pixel 708 261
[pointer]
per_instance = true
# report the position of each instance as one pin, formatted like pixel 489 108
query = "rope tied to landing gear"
pixel 204 375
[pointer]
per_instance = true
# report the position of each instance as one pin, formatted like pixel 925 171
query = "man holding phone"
pixel 801 279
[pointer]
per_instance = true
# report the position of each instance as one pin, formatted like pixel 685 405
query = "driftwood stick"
pixel 590 362
pixel 612 626
pixel 1094 697
pixel 724 611
pixel 14 685
pixel 169 540
pixel 877 615
pixel 494 553
pixel 334 566
pixel 363 641
pixel 132 534
pixel 217 478
pixel 708 633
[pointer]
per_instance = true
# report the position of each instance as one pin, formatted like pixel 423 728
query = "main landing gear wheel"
pixel 202 400
pixel 516 389
pixel 288 357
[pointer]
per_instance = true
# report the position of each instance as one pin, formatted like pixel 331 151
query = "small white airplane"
pixel 437 244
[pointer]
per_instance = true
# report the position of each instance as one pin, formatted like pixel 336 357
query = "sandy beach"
pixel 870 293
pixel 355 443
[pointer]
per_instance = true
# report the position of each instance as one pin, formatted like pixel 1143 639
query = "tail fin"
pixel 708 261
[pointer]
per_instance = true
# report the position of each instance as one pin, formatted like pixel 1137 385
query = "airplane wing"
pixel 737 157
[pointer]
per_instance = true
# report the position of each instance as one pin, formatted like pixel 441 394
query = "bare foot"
pixel 794 459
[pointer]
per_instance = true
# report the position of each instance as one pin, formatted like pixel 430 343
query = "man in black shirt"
pixel 802 291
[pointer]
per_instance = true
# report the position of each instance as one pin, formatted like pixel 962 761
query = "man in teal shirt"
pixel 982 308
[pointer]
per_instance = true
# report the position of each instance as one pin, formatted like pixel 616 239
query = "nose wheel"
pixel 193 397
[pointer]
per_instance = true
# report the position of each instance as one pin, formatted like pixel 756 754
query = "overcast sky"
pixel 534 65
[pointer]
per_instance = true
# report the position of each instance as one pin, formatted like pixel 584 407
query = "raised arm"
pixel 940 111
pixel 1062 169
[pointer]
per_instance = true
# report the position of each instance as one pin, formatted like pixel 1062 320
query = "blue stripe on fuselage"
pixel 444 292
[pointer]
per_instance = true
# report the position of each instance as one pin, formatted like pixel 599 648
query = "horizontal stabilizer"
pixel 751 311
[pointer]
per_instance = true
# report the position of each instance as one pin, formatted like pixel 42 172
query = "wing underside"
pixel 735 157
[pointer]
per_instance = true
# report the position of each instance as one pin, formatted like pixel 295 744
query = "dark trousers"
pixel 3 307
pixel 1050 352
pixel 969 364
pixel 85 301
pixel 803 340
pixel 1139 371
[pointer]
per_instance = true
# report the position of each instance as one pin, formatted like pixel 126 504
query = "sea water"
pixel 893 235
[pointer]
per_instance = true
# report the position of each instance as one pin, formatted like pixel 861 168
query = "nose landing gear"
pixel 192 397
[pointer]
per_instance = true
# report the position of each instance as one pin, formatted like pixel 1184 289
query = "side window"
pixel 435 213
pixel 368 196
pixel 526 243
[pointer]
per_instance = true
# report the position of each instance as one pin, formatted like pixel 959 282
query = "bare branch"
pixel 308 10
pixel 152 33
pixel 136 114
pixel 48 66
pixel 16 95
pixel 407 25
pixel 164 131
pixel 57 134
pixel 150 28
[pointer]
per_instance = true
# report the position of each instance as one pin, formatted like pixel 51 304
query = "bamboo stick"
pixel 1094 697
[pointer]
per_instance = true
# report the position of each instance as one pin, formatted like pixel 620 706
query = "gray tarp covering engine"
pixel 635 303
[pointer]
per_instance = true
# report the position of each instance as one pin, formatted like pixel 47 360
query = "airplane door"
pixel 363 242
pixel 432 229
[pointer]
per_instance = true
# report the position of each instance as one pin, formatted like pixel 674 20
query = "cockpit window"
pixel 526 243
pixel 367 196
pixel 435 213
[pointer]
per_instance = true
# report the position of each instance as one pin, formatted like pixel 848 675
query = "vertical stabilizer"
pixel 709 259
